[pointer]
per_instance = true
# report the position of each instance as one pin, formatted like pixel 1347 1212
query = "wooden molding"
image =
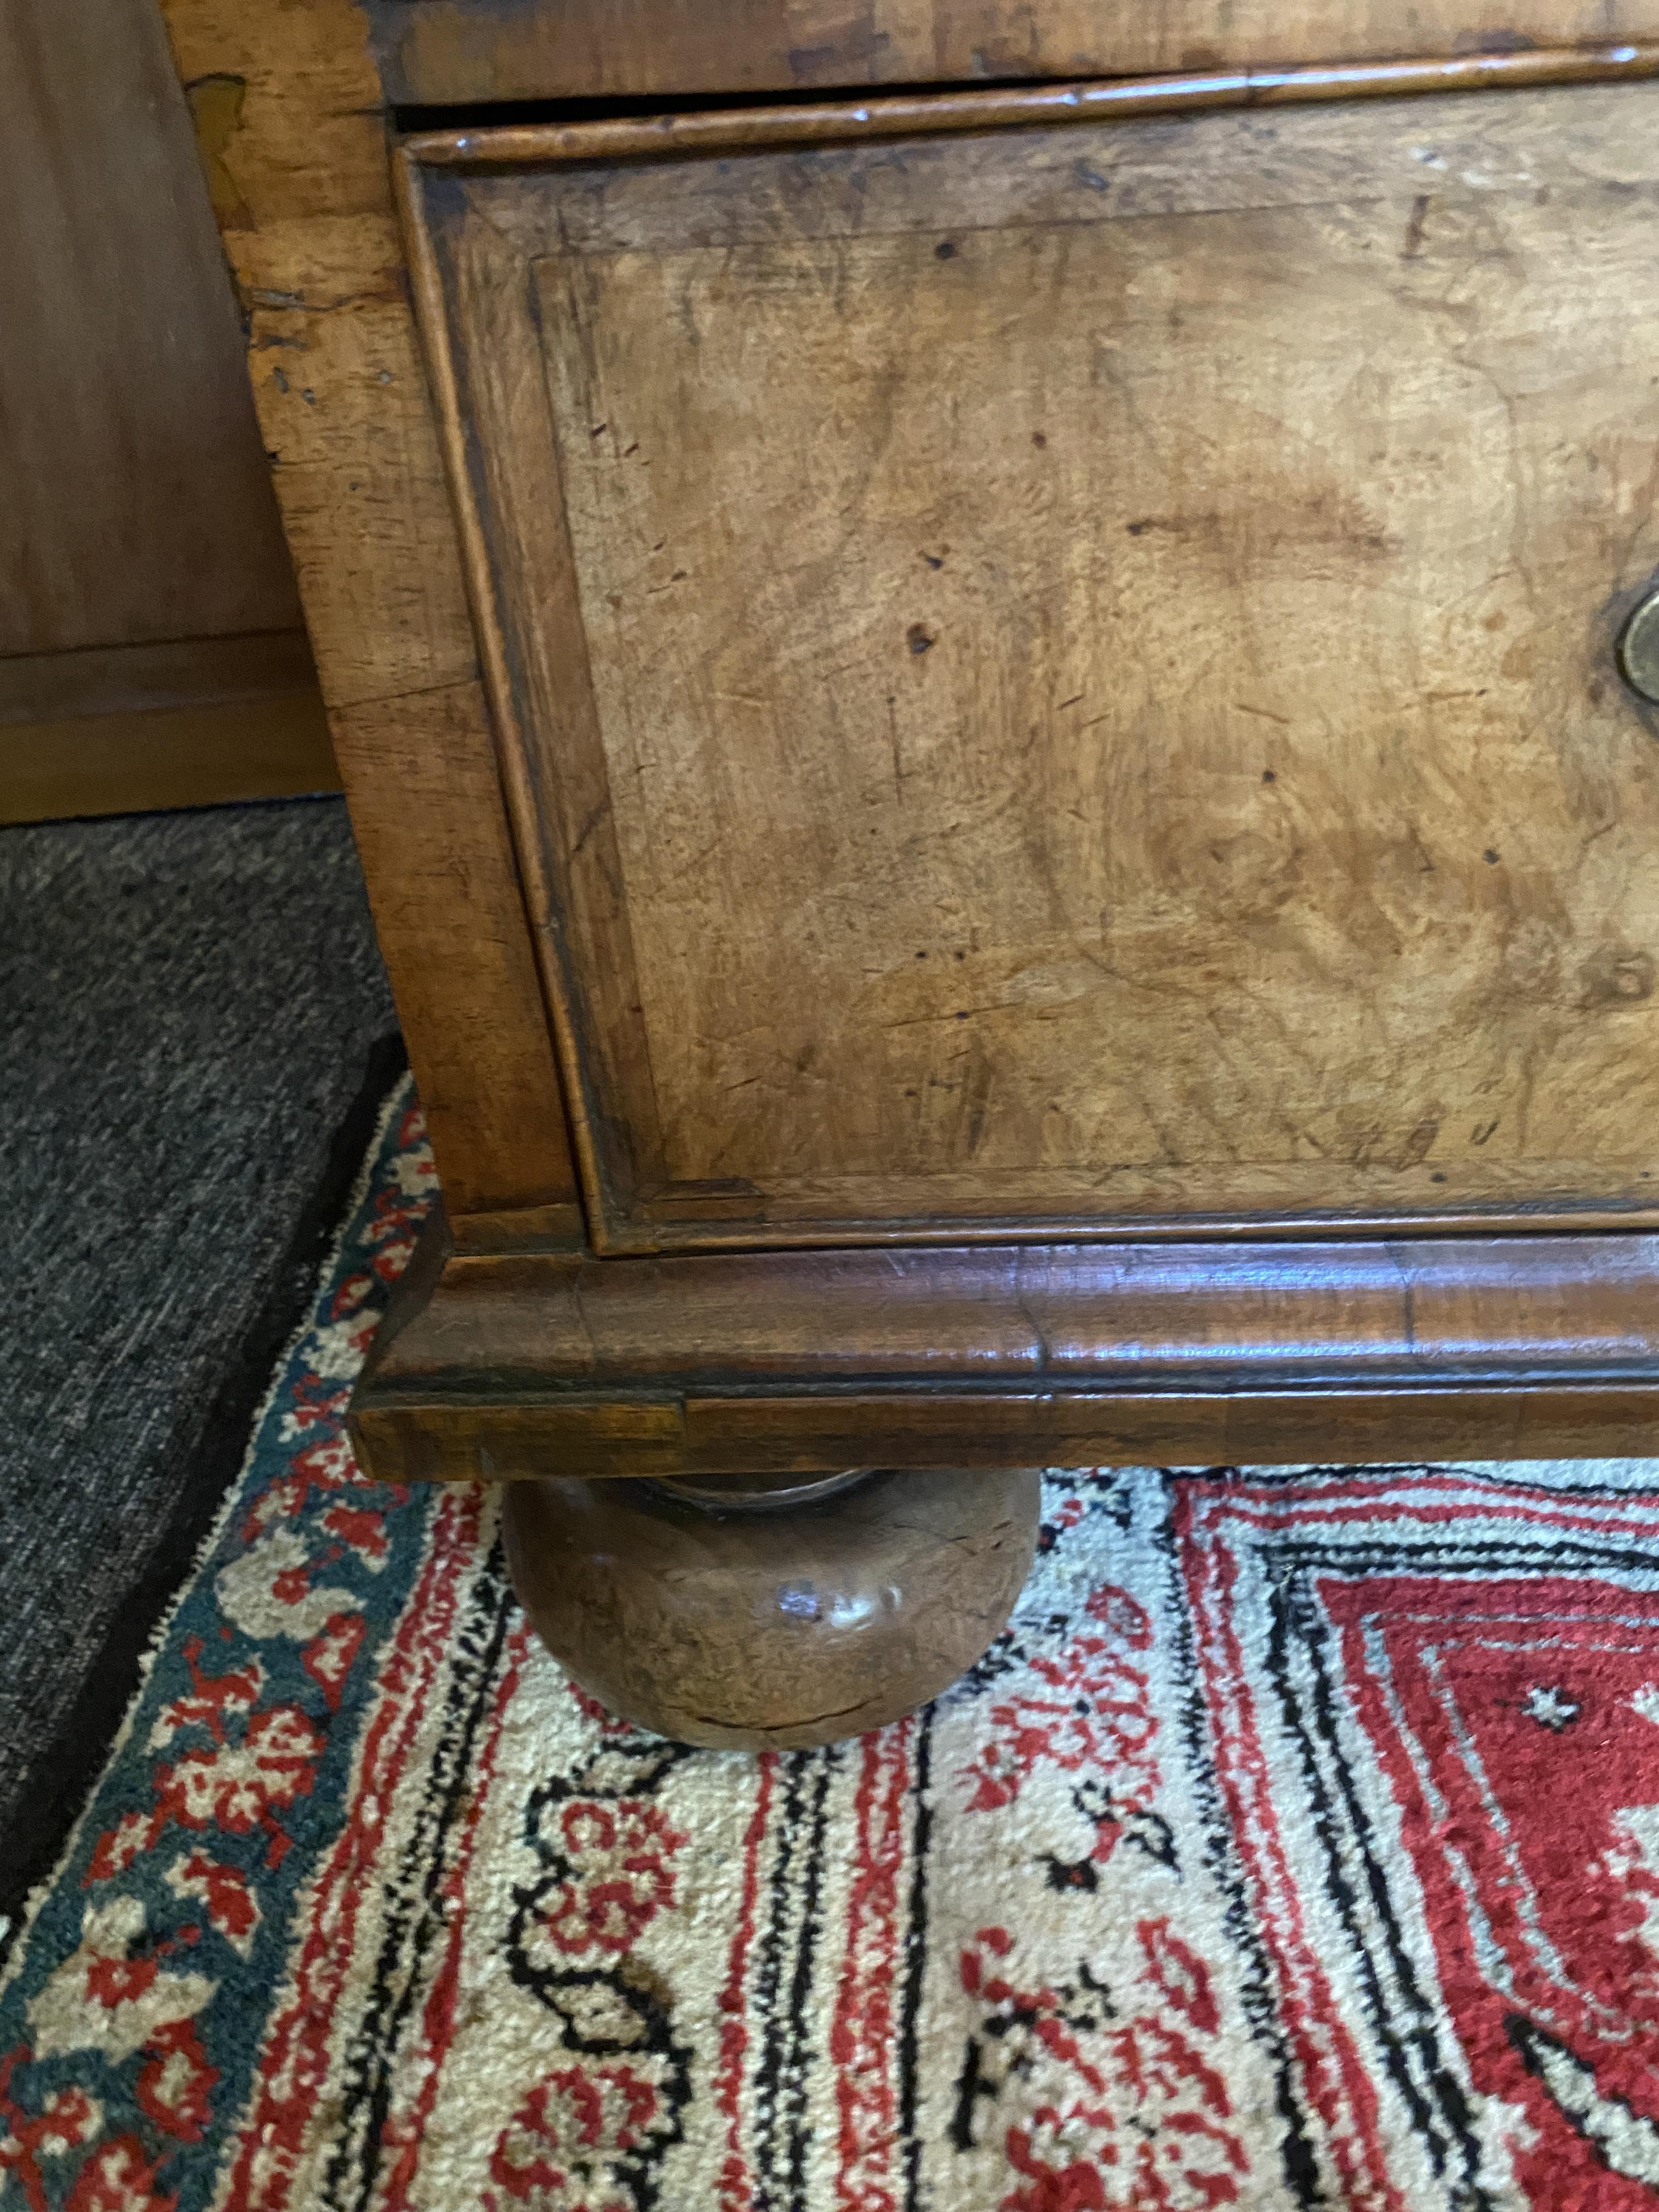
pixel 137 679
pixel 833 122
pixel 135 761
pixel 1199 1354
pixel 131 729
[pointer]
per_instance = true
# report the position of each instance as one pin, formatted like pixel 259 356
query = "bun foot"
pixel 749 1613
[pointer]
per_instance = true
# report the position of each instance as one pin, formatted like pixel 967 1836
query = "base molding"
pixel 525 1364
pixel 191 722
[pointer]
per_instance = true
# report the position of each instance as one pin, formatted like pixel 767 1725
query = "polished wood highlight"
pixel 1203 1352
pixel 772 1630
pixel 451 52
pixel 844 529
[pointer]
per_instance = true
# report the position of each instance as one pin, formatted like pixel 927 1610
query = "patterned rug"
pixel 1298 1845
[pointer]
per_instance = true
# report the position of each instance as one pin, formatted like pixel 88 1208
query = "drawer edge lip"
pixel 1101 99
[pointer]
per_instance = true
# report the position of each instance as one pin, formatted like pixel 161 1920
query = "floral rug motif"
pixel 1297 1846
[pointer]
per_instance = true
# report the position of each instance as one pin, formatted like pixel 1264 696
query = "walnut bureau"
pixel 997 669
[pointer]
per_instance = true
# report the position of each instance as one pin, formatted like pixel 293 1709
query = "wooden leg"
pixel 748 1612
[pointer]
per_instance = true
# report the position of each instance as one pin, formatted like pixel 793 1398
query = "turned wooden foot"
pixel 751 1612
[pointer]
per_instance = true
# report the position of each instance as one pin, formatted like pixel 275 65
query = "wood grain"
pixel 136 503
pixel 295 145
pixel 475 51
pixel 1226 1315
pixel 308 221
pixel 1205 1353
pixel 420 779
pixel 1093 700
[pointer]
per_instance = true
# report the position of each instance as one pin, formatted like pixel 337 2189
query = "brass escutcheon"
pixel 1638 649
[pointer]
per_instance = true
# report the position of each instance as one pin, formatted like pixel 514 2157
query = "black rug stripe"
pixel 62 1776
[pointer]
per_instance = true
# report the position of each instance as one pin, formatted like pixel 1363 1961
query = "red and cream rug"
pixel 1297 1846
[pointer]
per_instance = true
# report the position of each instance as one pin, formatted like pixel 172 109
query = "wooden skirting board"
pixel 132 729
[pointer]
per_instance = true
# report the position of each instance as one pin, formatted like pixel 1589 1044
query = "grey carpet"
pixel 195 1033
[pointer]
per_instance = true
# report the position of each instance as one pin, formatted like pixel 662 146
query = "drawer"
pixel 467 52
pixel 1065 677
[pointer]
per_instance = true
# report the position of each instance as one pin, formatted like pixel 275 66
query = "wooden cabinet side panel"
pixel 298 173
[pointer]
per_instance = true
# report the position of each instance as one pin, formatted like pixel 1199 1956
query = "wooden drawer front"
pixel 1067 674
pixel 438 52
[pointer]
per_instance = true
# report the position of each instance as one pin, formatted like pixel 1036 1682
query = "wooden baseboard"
pixel 138 729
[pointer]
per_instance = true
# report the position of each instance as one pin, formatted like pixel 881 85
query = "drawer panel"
pixel 449 53
pixel 1067 676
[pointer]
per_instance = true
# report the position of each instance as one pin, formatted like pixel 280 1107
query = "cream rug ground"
pixel 1297 1846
